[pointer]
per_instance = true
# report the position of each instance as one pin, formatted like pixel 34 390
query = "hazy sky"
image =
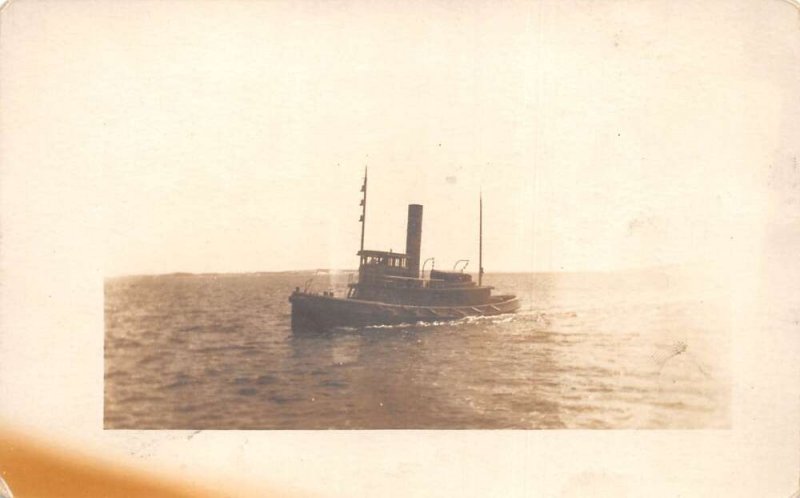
pixel 223 136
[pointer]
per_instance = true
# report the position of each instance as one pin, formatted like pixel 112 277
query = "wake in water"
pixel 538 317
pixel 506 318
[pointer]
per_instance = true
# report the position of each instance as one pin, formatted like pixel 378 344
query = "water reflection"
pixel 449 375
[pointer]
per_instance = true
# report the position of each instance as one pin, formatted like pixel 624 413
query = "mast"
pixel 480 242
pixel 363 218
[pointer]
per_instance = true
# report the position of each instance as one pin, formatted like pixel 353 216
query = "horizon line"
pixel 355 270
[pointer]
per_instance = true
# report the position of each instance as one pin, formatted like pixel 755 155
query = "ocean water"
pixel 586 351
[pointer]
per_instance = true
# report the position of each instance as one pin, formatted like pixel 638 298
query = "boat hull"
pixel 320 312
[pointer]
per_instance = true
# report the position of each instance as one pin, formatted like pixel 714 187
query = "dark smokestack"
pixel 414 238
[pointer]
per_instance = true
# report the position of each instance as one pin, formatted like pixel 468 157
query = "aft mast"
pixel 480 242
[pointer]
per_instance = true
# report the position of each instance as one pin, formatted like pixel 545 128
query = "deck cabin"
pixel 385 276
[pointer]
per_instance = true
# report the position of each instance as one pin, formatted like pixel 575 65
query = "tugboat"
pixel 390 289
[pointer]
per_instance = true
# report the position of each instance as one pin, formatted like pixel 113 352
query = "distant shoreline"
pixel 664 268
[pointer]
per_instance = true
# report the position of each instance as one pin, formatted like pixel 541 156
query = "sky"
pixel 233 136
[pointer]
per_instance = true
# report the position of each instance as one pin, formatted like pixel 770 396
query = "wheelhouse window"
pixel 387 260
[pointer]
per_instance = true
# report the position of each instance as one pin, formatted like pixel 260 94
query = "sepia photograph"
pixel 352 233
pixel 399 343
pixel 325 248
